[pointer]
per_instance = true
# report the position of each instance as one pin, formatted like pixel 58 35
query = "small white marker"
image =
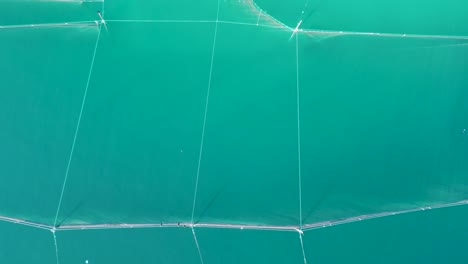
pixel 86 262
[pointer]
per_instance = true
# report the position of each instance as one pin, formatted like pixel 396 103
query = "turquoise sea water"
pixel 173 110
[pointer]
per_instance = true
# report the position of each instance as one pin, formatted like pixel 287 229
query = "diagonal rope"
pixel 56 246
pixel 206 110
pixel 302 247
pixel 67 171
pixel 24 222
pixel 198 246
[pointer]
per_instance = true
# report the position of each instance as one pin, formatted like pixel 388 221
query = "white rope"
pixel 298 132
pixel 302 247
pixel 204 117
pixel 198 246
pixel 77 126
pixel 56 246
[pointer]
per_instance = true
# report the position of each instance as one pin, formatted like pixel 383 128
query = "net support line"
pixel 298 133
pixel 289 228
pixel 181 21
pixel 205 115
pixel 23 222
pixel 179 225
pixel 380 34
pixel 55 245
pixel 325 224
pixel 301 233
pixel 281 26
pixel 54 25
pixel 302 246
pixel 276 25
pixel 198 246
pixel 72 149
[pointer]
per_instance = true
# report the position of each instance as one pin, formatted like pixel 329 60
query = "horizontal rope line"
pixel 380 215
pixel 306 227
pixel 278 26
pixel 47 25
pixel 378 34
pixel 24 222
